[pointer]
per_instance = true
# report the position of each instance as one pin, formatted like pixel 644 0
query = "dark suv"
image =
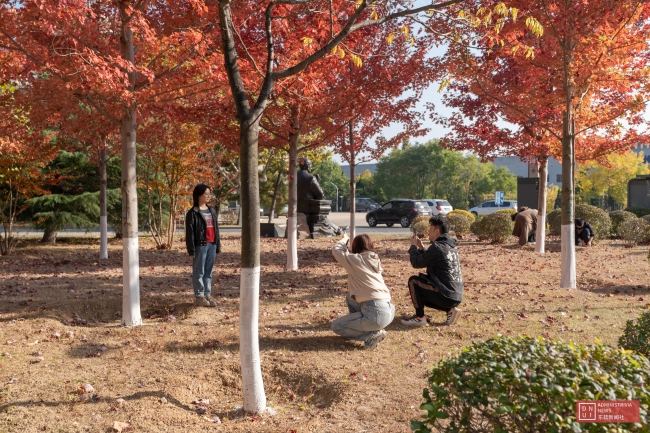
pixel 397 211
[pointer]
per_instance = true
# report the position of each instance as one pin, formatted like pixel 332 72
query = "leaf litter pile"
pixel 66 364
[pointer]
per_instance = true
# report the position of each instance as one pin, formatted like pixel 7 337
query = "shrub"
pixel 526 384
pixel 496 227
pixel 460 224
pixel 598 218
pixel 638 211
pixel 420 226
pixel 468 214
pixel 617 217
pixel 646 236
pixel 477 227
pixel 633 230
pixel 636 335
pixel 554 221
pixel 507 211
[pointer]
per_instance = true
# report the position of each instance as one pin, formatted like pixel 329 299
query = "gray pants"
pixel 364 320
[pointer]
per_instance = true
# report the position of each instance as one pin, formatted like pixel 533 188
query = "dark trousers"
pixel 583 235
pixel 424 293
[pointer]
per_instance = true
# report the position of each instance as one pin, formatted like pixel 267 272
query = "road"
pixel 338 218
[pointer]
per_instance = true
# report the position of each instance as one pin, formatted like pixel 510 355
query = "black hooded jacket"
pixel 441 261
pixel 195 227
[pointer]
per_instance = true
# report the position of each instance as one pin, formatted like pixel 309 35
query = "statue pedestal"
pixel 319 225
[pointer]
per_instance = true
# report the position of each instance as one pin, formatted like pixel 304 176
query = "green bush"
pixel 598 218
pixel 477 227
pixel 636 335
pixel 468 214
pixel 633 230
pixel 496 227
pixel 460 223
pixel 420 226
pixel 507 211
pixel 646 236
pixel 531 385
pixel 617 217
pixel 554 221
pixel 638 211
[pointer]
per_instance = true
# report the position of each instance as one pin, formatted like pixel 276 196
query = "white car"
pixel 438 206
pixel 490 207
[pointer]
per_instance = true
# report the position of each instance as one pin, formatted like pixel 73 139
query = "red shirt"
pixel 209 221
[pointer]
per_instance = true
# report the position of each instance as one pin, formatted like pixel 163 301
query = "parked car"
pixel 438 206
pixel 490 207
pixel 365 204
pixel 397 211
pixel 283 211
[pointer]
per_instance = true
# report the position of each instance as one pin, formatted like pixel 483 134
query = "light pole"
pixel 337 196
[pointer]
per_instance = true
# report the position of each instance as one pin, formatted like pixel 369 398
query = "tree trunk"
pixel 292 218
pixel 275 196
pixel 353 184
pixel 252 383
pixel 568 273
pixel 49 236
pixel 103 219
pixel 540 236
pixel 131 260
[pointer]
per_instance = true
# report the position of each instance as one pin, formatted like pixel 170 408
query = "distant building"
pixel 359 169
pixel 520 169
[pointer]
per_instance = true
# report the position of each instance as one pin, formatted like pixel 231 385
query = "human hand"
pixel 420 246
pixel 415 240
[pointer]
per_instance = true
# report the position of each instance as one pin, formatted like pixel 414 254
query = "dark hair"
pixel 440 222
pixel 514 216
pixel 362 243
pixel 199 190
pixel 523 208
pixel 579 222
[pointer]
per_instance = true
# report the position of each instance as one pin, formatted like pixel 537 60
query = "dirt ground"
pixel 60 331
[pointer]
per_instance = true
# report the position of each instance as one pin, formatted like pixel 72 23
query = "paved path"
pixel 339 218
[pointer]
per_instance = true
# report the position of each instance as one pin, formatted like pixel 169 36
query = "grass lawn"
pixel 60 330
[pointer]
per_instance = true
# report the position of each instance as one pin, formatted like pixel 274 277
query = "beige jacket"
pixel 365 282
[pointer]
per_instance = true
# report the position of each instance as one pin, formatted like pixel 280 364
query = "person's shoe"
pixel 211 301
pixel 415 321
pixel 201 301
pixel 452 316
pixel 376 339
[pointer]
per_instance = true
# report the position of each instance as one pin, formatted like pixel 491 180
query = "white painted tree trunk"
pixel 353 183
pixel 353 207
pixel 540 236
pixel 568 273
pixel 252 383
pixel 131 261
pixel 103 220
pixel 292 218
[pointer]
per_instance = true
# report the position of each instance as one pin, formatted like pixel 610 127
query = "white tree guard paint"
pixel 292 243
pixel 540 236
pixel 103 237
pixel 252 383
pixel 131 292
pixel 568 274
pixel 352 230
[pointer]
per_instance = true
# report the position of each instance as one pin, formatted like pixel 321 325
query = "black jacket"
pixel 441 261
pixel 195 227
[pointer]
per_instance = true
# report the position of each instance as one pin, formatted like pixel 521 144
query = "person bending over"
pixel 368 298
pixel 442 286
pixel 584 233
pixel 525 225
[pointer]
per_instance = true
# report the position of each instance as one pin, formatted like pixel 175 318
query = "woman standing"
pixel 368 298
pixel 203 244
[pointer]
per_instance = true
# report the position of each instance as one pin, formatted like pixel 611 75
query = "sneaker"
pixel 415 321
pixel 210 301
pixel 201 301
pixel 452 316
pixel 376 339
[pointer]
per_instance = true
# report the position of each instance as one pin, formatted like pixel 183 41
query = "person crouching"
pixel 368 298
pixel 442 286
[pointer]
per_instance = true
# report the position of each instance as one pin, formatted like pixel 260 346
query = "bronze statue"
pixel 311 203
